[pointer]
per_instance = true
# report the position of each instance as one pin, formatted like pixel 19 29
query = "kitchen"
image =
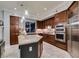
pixel 32 35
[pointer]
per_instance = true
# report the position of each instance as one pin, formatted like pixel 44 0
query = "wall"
pixel 7 27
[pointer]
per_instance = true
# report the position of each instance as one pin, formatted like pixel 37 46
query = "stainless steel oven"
pixel 60 32
pixel 60 37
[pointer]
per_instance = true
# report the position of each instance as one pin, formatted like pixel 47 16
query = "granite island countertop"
pixel 27 39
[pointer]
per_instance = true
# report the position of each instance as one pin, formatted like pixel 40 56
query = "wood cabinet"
pixel 45 23
pixel 39 24
pixel 14 29
pixel 61 45
pixel 73 9
pixel 52 23
pixel 49 22
pixel 51 40
pixel 61 17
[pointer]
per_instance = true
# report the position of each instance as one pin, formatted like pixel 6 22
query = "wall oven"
pixel 60 34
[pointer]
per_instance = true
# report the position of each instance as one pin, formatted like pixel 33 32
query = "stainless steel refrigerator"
pixel 73 36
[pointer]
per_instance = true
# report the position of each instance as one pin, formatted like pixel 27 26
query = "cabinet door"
pixel 39 25
pixel 14 29
pixel 61 17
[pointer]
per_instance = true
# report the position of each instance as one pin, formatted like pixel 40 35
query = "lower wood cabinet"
pixel 61 45
pixel 51 40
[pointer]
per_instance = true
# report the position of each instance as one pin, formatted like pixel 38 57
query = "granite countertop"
pixel 49 33
pixel 27 39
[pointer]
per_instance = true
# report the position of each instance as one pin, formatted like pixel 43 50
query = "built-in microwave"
pixel 60 28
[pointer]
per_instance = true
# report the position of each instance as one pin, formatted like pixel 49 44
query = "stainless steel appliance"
pixel 73 32
pixel 60 32
pixel 73 36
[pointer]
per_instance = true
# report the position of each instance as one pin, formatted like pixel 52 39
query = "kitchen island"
pixel 30 46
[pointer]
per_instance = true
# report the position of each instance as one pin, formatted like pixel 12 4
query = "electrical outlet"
pixel 30 49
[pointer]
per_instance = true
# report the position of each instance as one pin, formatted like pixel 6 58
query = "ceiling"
pixel 36 9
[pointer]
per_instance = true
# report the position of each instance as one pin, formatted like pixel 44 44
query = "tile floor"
pixel 49 51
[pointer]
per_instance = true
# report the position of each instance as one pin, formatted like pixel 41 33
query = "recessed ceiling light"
pixel 45 9
pixel 23 17
pixel 14 8
pixel 26 12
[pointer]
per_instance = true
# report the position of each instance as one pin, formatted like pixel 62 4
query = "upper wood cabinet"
pixel 39 24
pixel 45 23
pixel 61 17
pixel 49 22
pixel 73 9
pixel 52 22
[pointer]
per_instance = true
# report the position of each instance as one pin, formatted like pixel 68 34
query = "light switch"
pixel 30 49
